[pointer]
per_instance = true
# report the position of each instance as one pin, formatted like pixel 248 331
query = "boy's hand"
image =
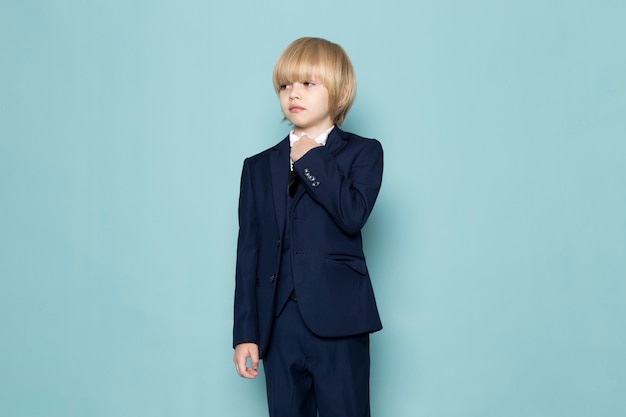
pixel 243 351
pixel 302 146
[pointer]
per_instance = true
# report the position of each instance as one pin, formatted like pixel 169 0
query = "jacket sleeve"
pixel 245 328
pixel 347 193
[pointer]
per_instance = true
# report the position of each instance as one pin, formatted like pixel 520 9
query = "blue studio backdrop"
pixel 497 247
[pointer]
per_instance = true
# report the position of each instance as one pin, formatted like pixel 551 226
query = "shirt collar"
pixel 321 139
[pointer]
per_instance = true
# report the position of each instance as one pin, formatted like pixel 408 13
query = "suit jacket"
pixel 339 184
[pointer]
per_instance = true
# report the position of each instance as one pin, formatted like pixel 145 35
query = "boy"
pixel 303 299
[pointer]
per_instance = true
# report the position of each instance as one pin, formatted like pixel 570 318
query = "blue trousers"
pixel 306 374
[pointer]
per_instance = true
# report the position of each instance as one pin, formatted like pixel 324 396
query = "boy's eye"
pixel 308 84
pixel 284 86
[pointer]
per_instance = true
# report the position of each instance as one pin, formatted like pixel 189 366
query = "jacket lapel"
pixel 279 168
pixel 336 141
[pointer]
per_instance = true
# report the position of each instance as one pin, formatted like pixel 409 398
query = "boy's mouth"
pixel 295 109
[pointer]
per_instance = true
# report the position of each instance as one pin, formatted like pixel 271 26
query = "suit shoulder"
pixel 360 141
pixel 263 155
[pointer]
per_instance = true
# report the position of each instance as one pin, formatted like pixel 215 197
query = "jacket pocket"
pixel 356 263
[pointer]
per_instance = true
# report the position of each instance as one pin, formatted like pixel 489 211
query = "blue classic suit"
pixel 339 184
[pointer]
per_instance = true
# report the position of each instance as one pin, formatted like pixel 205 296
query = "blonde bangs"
pixel 297 63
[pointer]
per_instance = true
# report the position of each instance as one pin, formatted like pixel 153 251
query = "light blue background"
pixel 497 247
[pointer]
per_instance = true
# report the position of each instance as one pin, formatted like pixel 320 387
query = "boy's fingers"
pixel 301 147
pixel 242 353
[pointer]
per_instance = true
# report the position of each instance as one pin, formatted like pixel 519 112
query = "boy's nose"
pixel 294 92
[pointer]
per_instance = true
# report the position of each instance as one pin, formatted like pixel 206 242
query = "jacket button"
pixel 315 184
pixel 306 170
pixel 272 278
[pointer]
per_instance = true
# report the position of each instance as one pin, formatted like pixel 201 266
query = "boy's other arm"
pixel 245 328
pixel 243 351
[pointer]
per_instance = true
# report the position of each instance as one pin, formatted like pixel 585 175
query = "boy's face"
pixel 305 104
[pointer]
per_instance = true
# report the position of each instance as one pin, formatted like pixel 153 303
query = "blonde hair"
pixel 308 58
